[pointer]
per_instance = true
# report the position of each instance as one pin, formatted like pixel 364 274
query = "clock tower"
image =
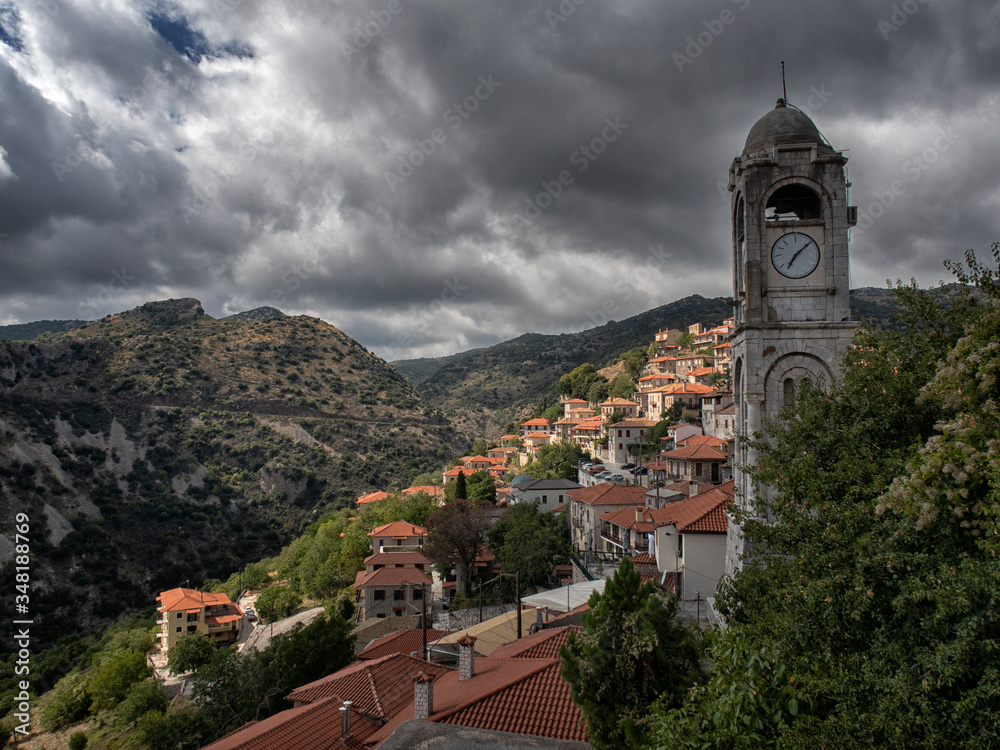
pixel 790 280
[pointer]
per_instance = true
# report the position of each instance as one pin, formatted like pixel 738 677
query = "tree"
pixel 529 543
pixel 276 603
pixel 111 680
pixel 579 382
pixel 622 386
pixel 461 490
pixel 235 687
pixel 189 652
pixel 867 617
pixel 631 652
pixel 456 535
pixel 685 340
pixel 557 461
pixel 482 487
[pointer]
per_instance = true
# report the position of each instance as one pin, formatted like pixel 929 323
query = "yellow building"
pixel 189 611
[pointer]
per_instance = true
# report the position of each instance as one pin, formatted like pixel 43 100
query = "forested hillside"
pixel 160 447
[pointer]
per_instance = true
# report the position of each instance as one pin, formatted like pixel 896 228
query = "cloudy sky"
pixel 436 175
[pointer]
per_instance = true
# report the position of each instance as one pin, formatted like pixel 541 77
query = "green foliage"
pixel 556 461
pixel 867 617
pixel 578 382
pixel 189 652
pixel 461 490
pixel 482 487
pixel 685 340
pixel 598 392
pixel 78 741
pixel 112 679
pixel 65 704
pixel 635 359
pixel 142 698
pixel 529 543
pixel 187 729
pixel 553 413
pixel 632 652
pixel 277 603
pixel 456 534
pixel 623 386
pixel 235 688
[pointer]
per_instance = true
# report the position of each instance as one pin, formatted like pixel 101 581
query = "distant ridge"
pixel 258 314
pixel 29 331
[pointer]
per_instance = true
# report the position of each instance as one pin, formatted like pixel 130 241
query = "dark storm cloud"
pixel 438 175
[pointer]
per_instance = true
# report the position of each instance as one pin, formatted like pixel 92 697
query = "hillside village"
pixel 652 484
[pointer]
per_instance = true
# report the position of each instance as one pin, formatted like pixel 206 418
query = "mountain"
pixel 482 390
pixel 29 331
pixel 160 446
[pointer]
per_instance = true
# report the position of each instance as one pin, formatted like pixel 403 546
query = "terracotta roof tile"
pixel 398 529
pixel 404 642
pixel 392 577
pixel 313 727
pixel 695 453
pixel 373 497
pixel 609 494
pixel 379 688
pixel 541 645
pixel 190 599
pixel 701 513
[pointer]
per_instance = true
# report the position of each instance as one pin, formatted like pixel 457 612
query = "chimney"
pixel 423 695
pixel 466 657
pixel 345 718
pixel 638 515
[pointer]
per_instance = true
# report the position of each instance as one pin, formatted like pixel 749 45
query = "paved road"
pixel 260 635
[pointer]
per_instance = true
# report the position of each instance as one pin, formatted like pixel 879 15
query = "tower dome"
pixel 783 124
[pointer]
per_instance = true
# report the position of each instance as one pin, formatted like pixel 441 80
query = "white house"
pixel 690 540
pixel 548 492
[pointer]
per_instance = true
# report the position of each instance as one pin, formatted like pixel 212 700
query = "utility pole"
pixel 517 586
pixel 423 622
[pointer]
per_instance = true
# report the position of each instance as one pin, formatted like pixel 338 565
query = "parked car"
pixel 250 614
pixel 628 467
pixel 605 475
pixel 641 471
pixel 618 477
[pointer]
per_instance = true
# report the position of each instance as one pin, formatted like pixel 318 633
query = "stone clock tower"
pixel 790 278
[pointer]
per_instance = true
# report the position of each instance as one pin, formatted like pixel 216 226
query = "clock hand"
pixel 796 255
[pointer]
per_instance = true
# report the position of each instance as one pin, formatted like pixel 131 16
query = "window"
pixel 628 433
pixel 379 595
pixel 399 542
pixel 180 629
pixel 380 615
pixel 399 595
pixel 697 469
pixel 788 392
pixel 418 594
pixel 180 615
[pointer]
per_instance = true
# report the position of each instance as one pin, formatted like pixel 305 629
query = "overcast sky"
pixel 435 175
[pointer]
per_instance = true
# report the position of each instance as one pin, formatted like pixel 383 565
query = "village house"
pixel 620 406
pixel 537 424
pixel 548 493
pixel 587 504
pixel 185 611
pixel 678 433
pixel 627 531
pixel 396 535
pixel 718 414
pixel 698 462
pixel 396 578
pixel 666 341
pixel 624 438
pixel 723 356
pixel 690 540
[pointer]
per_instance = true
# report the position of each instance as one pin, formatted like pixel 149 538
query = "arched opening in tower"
pixel 793 203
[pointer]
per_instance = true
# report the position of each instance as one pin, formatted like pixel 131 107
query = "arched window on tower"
pixel 788 393
pixel 793 202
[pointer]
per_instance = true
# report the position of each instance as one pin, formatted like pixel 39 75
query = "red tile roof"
pixel 404 642
pixel 313 727
pixel 619 402
pixel 702 371
pixel 190 599
pixel 372 497
pixel 541 645
pixel 379 688
pixel 695 453
pixel 626 518
pixel 609 494
pixel 524 696
pixel 398 529
pixel 431 489
pixel 701 513
pixel 714 442
pixel 392 577
pixel 538 422
pixel 397 558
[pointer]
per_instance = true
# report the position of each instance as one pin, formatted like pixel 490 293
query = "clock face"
pixel 795 255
